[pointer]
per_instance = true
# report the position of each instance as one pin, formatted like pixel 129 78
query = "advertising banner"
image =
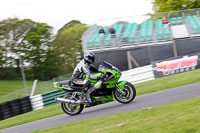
pixel 176 65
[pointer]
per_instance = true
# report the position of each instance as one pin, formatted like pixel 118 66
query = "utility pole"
pixel 23 75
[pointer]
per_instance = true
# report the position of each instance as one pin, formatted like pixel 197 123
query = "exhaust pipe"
pixel 67 100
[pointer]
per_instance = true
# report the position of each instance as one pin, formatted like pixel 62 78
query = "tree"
pixel 39 51
pixel 31 39
pixel 51 66
pixel 174 5
pixel 12 32
pixel 69 24
pixel 44 56
pixel 68 44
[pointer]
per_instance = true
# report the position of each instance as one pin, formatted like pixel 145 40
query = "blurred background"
pixel 44 40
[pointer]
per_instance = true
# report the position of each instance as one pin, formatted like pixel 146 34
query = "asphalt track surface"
pixel 148 100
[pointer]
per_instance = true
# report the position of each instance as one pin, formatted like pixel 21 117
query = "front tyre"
pixel 70 108
pixel 128 95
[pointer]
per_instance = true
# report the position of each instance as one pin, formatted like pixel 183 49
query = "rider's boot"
pixel 85 98
pixel 84 95
pixel 88 97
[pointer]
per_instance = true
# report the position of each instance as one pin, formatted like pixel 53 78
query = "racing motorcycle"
pixel 105 90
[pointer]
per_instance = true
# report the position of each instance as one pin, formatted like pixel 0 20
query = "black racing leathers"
pixel 83 69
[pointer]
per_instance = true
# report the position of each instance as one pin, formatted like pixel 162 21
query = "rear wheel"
pixel 70 108
pixel 128 95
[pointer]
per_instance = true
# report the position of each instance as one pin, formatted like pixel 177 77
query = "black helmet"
pixel 89 57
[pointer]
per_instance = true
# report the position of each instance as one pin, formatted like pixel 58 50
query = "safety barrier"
pixel 46 99
pixel 49 97
pixel 138 75
pixel 37 102
pixel 15 107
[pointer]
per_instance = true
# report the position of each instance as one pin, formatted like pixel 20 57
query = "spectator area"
pixel 194 24
pixel 129 34
pixel 145 32
pixel 98 39
pixel 92 38
pixel 162 30
pixel 118 31
pixel 176 20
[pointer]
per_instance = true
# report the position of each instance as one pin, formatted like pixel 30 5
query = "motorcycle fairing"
pixel 121 84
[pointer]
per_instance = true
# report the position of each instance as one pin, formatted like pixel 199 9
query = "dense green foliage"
pixel 68 44
pixel 12 32
pixel 174 5
pixel 44 55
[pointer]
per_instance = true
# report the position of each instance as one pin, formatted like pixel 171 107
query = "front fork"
pixel 120 90
pixel 121 86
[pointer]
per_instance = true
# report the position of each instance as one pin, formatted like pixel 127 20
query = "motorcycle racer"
pixel 85 68
pixel 105 88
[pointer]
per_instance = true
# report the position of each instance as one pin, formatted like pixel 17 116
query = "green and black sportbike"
pixel 105 90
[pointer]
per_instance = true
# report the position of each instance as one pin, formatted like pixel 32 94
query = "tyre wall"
pixel 15 107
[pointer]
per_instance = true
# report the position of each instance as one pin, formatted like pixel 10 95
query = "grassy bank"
pixel 168 82
pixel 12 89
pixel 142 88
pixel 179 117
pixel 7 86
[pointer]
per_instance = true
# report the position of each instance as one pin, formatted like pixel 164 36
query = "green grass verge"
pixel 12 89
pixel 168 82
pixel 179 117
pixel 142 88
pixel 7 86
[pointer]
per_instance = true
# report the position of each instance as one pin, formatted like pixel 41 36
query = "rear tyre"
pixel 128 96
pixel 70 108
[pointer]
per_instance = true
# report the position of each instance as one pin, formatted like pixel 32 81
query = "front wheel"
pixel 70 108
pixel 128 95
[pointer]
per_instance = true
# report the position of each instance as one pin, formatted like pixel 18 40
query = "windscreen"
pixel 106 66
